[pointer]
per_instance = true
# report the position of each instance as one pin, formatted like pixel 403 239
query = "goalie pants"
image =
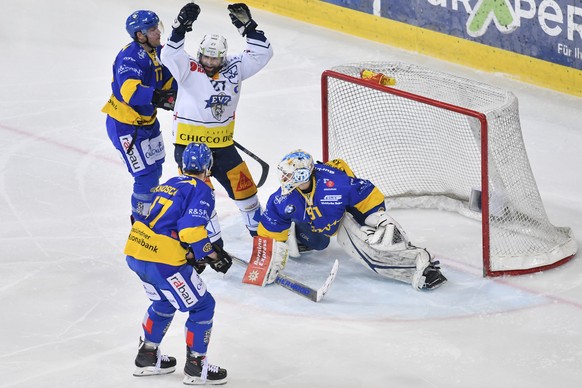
pixel 172 288
pixel 319 241
pixel 309 238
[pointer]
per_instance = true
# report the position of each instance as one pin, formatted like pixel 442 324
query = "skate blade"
pixel 152 371
pixel 192 380
pixel 438 284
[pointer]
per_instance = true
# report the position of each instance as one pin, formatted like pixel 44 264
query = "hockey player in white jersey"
pixel 210 86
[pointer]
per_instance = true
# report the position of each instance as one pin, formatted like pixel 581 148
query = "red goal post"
pixel 434 140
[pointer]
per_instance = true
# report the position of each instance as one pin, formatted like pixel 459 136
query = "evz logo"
pixel 216 103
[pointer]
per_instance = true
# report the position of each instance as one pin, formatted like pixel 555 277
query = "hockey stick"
pixel 264 165
pixel 300 288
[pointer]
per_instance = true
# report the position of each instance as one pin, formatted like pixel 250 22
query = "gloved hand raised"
pixel 187 16
pixel 164 99
pixel 240 15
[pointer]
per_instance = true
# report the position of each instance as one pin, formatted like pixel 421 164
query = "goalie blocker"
pixel 384 248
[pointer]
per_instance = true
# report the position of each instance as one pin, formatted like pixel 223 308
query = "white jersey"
pixel 205 107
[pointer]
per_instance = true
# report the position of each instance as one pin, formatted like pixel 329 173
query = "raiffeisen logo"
pixel 553 17
pixel 486 11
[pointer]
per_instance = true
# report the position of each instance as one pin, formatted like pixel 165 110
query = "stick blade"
pixel 323 290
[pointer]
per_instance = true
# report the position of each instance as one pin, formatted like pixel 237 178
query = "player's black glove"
pixel 188 15
pixel 223 262
pixel 199 265
pixel 240 15
pixel 164 99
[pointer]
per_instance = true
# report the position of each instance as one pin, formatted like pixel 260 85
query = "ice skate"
pixel 150 361
pixel 433 276
pixel 199 372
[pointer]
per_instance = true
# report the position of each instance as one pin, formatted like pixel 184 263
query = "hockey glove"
pixel 164 99
pixel 223 262
pixel 240 15
pixel 383 232
pixel 199 265
pixel 188 15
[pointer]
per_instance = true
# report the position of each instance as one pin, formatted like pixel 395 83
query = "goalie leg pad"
pixel 406 264
pixel 292 242
pixel 268 258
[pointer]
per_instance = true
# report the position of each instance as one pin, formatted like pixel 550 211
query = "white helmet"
pixel 214 46
pixel 294 169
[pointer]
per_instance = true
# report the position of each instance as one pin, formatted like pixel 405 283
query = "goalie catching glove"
pixel 240 15
pixel 384 232
pixel 268 258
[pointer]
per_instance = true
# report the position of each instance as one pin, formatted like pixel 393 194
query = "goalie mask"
pixel 196 159
pixel 294 169
pixel 212 53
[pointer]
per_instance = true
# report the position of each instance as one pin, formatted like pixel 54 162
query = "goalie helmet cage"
pixel 435 140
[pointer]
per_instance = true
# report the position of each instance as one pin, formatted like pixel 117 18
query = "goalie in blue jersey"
pixel 167 249
pixel 317 201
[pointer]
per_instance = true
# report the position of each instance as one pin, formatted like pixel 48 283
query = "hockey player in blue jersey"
pixel 210 86
pixel 317 201
pixel 140 85
pixel 167 249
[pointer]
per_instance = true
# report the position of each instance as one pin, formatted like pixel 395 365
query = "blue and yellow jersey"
pixel 136 73
pixel 180 210
pixel 333 192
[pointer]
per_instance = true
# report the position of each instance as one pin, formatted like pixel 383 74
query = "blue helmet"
pixel 141 20
pixel 197 158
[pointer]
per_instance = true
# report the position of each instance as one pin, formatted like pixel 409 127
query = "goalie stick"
pixel 300 288
pixel 264 165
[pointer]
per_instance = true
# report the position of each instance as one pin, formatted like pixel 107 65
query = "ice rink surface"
pixel 71 310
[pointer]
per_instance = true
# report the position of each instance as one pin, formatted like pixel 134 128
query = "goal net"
pixel 435 140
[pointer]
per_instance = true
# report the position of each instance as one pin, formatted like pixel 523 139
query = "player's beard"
pixel 211 71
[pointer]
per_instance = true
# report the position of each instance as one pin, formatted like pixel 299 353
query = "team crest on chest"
pixel 217 104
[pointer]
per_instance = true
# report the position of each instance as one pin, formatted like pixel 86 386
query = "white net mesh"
pixel 422 154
